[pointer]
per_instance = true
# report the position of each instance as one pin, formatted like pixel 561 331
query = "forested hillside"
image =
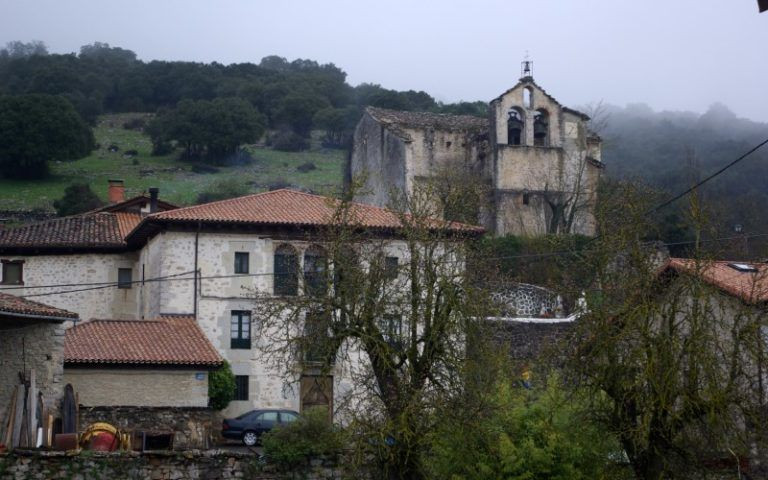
pixel 671 151
pixel 300 114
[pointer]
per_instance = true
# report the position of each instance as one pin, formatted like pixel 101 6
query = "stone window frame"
pixel 20 264
pixel 241 388
pixel 122 283
pixel 242 262
pixel 285 283
pixel 239 337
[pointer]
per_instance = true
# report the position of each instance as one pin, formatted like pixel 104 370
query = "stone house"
pixel 537 159
pixel 31 337
pixel 141 260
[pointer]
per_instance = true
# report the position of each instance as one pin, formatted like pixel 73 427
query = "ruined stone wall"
pixel 139 387
pixel 378 156
pixel 192 427
pixel 195 465
pixel 78 269
pixel 28 344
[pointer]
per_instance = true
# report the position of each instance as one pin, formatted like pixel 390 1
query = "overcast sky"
pixel 671 54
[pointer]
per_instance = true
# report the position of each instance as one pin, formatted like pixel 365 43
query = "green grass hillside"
pixel 176 180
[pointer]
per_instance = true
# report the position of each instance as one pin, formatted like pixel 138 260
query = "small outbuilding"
pixel 31 338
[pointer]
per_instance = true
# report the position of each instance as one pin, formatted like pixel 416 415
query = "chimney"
pixel 116 191
pixel 153 193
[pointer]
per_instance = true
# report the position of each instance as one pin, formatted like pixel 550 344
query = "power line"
pixel 702 182
pixel 178 276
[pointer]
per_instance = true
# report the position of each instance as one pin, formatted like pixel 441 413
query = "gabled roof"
pixel 133 205
pixel 17 307
pixel 438 121
pixel 751 287
pixel 171 340
pixel 528 81
pixel 283 208
pixel 96 231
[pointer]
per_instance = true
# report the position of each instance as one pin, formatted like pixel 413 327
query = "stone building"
pixel 538 160
pixel 205 262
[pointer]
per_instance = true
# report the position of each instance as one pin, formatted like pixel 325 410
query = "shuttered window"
pixel 240 329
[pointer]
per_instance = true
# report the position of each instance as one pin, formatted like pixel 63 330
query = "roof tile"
pixel 289 207
pixel 168 340
pixel 752 287
pixel 11 305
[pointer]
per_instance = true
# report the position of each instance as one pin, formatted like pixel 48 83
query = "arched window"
pixel 286 271
pixel 515 127
pixel 528 97
pixel 541 128
pixel 315 271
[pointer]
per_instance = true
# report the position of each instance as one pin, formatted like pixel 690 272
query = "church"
pixel 537 160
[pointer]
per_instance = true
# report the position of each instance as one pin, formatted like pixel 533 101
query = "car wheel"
pixel 250 438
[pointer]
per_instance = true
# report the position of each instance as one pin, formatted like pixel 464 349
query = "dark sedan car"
pixel 249 426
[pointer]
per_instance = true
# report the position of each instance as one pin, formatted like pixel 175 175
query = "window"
pixel 286 271
pixel 240 329
pixel 391 268
pixel 315 342
pixel 315 268
pixel 13 272
pixel 124 278
pixel 287 417
pixel 526 198
pixel 241 387
pixel 391 328
pixel 241 262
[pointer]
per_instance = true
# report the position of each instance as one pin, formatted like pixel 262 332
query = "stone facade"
pixel 192 427
pixel 139 387
pixel 192 465
pixel 26 345
pixel 546 165
pixel 79 269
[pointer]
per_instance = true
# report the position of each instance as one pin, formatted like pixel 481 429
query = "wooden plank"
pixel 17 418
pixel 32 410
pixel 11 413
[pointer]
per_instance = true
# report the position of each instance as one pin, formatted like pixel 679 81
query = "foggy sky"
pixel 670 54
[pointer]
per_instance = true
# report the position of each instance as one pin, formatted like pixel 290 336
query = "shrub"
pixel 132 152
pixel 295 444
pixel 78 198
pixel 288 141
pixel 160 148
pixel 221 386
pixel 113 148
pixel 523 434
pixel 306 167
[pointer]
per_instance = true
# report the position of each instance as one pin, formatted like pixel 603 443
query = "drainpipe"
pixel 197 239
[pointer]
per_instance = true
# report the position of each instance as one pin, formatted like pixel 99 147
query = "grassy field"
pixel 177 182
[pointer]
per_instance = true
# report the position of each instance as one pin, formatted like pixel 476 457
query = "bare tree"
pixel 392 311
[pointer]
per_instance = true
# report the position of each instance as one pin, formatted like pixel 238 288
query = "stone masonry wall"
pixel 24 345
pixel 194 465
pixel 139 387
pixel 192 427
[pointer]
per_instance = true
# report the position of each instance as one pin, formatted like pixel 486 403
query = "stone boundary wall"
pixel 191 465
pixel 531 341
pixel 193 427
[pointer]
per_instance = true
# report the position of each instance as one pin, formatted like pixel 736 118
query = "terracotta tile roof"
pixel 11 305
pixel 439 121
pixel 289 207
pixel 169 340
pixel 91 231
pixel 126 222
pixel 752 287
pixel 133 205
